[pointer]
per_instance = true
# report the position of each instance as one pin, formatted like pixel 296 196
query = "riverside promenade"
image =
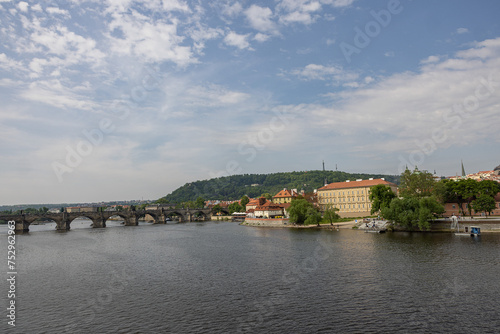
pixel 283 222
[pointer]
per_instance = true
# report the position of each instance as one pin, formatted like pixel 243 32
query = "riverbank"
pixel 256 222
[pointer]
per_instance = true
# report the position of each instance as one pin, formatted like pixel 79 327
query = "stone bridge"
pixel 131 218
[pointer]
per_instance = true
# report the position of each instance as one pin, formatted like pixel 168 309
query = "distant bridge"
pixel 63 220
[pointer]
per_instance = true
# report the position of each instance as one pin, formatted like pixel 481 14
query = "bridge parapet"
pixel 63 220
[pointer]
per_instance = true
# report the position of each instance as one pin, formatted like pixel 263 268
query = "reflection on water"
pixel 221 277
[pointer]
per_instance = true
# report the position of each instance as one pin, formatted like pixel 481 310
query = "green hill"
pixel 253 185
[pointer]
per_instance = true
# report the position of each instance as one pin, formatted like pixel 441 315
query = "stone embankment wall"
pixel 221 218
pixel 266 222
pixel 486 225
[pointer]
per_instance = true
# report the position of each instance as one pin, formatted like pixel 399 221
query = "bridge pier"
pixel 132 221
pixel 22 226
pixel 99 222
pixel 64 223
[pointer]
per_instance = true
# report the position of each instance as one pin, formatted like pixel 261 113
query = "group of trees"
pixel 199 203
pixel 468 194
pixel 27 211
pixel 303 212
pixel 415 207
pixel 422 198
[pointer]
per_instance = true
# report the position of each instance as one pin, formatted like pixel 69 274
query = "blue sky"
pixel 119 100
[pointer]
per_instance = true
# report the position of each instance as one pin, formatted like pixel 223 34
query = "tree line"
pixel 422 198
pixel 253 185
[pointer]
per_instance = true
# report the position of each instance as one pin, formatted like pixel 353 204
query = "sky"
pixel 123 99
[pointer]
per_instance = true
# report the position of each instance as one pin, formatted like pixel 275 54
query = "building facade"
pixel 285 196
pixel 352 198
pixel 265 209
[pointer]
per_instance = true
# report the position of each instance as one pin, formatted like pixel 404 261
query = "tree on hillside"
pixel 331 214
pixel 200 203
pixel 416 184
pixel 298 210
pixel 268 196
pixel 216 209
pixel 244 201
pixel 381 197
pixel 162 200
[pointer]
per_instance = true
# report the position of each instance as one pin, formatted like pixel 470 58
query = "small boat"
pixel 474 231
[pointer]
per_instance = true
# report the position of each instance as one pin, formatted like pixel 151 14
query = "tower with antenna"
pixel 323 165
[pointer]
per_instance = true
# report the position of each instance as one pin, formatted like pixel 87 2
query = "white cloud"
pixel 37 8
pixel 23 6
pixel 338 3
pixel 232 10
pixel 149 40
pixel 260 18
pixel 430 59
pixel 10 64
pixel 173 5
pixel 259 37
pixel 405 109
pixel 237 40
pixel 462 30
pixel 201 33
pixel 54 93
pixel 297 17
pixel 66 48
pixel 58 11
pixel 320 72
pixel 330 41
pixel 486 49
pixel 298 11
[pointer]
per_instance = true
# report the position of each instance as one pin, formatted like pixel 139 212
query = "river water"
pixel 226 278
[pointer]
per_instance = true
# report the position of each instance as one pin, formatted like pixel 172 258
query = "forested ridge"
pixel 253 185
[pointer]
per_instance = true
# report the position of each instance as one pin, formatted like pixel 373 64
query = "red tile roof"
pixel 284 205
pixel 253 202
pixel 284 193
pixel 268 206
pixel 356 184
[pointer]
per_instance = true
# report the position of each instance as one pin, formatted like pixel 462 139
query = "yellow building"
pixel 285 196
pixel 352 198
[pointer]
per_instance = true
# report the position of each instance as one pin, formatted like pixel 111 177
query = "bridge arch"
pixel 144 215
pixel 107 218
pixel 95 222
pixel 199 216
pixel 39 220
pixel 175 215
